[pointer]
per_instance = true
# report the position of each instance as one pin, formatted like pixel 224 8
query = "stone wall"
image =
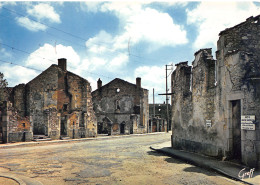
pixel 64 101
pixel 41 103
pixel 14 127
pixel 58 102
pixel 207 114
pixel 238 76
pixel 124 104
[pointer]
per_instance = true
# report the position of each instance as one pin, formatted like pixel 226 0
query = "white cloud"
pixel 30 25
pixel 90 6
pixel 153 77
pixel 137 24
pixel 213 17
pixel 44 11
pixel 4 53
pixel 100 43
pixel 103 53
pixel 118 61
pixel 153 26
pixel 46 55
pixel 145 24
pixel 17 74
pixel 2 3
pixel 93 83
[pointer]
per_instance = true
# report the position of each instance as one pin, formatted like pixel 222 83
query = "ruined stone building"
pixel 121 107
pixel 158 117
pixel 216 103
pixel 57 103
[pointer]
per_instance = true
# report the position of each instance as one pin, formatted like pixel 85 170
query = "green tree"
pixel 3 85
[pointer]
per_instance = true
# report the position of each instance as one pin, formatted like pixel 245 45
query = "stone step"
pixel 64 138
pixel 46 139
pixel 39 137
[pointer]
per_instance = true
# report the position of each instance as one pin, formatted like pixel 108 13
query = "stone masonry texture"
pixel 57 103
pixel 205 95
pixel 121 107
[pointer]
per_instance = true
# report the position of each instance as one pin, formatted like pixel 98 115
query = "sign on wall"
pixel 208 123
pixel 247 122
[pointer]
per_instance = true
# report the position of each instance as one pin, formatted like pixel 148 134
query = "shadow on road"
pixel 168 159
pixel 193 169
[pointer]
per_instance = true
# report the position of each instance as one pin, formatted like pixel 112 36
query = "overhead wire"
pixel 26 52
pixel 75 36
pixel 12 63
pixel 80 38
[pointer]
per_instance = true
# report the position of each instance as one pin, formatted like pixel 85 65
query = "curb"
pixel 19 181
pixel 39 143
pixel 219 171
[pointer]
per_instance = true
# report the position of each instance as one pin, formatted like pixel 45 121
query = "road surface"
pixel 122 160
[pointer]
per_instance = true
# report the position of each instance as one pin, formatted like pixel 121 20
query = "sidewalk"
pixel 225 168
pixel 39 143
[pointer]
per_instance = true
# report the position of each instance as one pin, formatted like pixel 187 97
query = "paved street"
pixel 124 160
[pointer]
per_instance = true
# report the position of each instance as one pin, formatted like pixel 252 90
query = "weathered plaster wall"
pixel 124 104
pixel 237 80
pixel 238 76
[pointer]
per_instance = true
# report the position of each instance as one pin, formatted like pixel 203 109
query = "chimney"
pixel 62 63
pixel 138 82
pixel 99 83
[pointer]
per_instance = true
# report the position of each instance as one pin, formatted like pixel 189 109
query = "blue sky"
pixel 112 39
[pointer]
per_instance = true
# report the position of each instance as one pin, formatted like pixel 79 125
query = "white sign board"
pixel 247 122
pixel 208 123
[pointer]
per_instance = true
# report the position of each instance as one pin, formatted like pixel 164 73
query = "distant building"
pixel 57 103
pixel 121 107
pixel 158 119
pixel 216 103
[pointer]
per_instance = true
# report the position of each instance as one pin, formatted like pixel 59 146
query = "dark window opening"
pixel 65 107
pixel 137 109
pixel 117 105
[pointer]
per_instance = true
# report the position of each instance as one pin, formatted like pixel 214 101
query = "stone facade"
pixel 58 103
pixel 158 119
pixel 13 127
pixel 121 107
pixel 211 96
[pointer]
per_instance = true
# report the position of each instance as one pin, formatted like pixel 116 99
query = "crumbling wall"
pixel 80 104
pixel 15 128
pixel 211 123
pixel 238 78
pixel 181 104
pixel 41 102
pixel 121 101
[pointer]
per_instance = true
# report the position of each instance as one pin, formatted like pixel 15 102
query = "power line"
pixel 20 65
pixel 78 45
pixel 78 37
pixel 12 63
pixel 28 53
pixel 13 48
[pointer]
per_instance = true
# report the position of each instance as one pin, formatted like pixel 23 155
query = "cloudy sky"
pixel 113 39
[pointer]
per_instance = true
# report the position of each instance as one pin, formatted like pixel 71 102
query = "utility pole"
pixel 167 109
pixel 153 105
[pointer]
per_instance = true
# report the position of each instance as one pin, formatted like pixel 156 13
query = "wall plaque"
pixel 247 122
pixel 208 123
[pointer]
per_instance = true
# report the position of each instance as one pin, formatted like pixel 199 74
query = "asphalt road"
pixel 123 160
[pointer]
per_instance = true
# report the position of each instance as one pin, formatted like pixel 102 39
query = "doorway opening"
pixel 122 128
pixel 63 130
pixel 236 129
